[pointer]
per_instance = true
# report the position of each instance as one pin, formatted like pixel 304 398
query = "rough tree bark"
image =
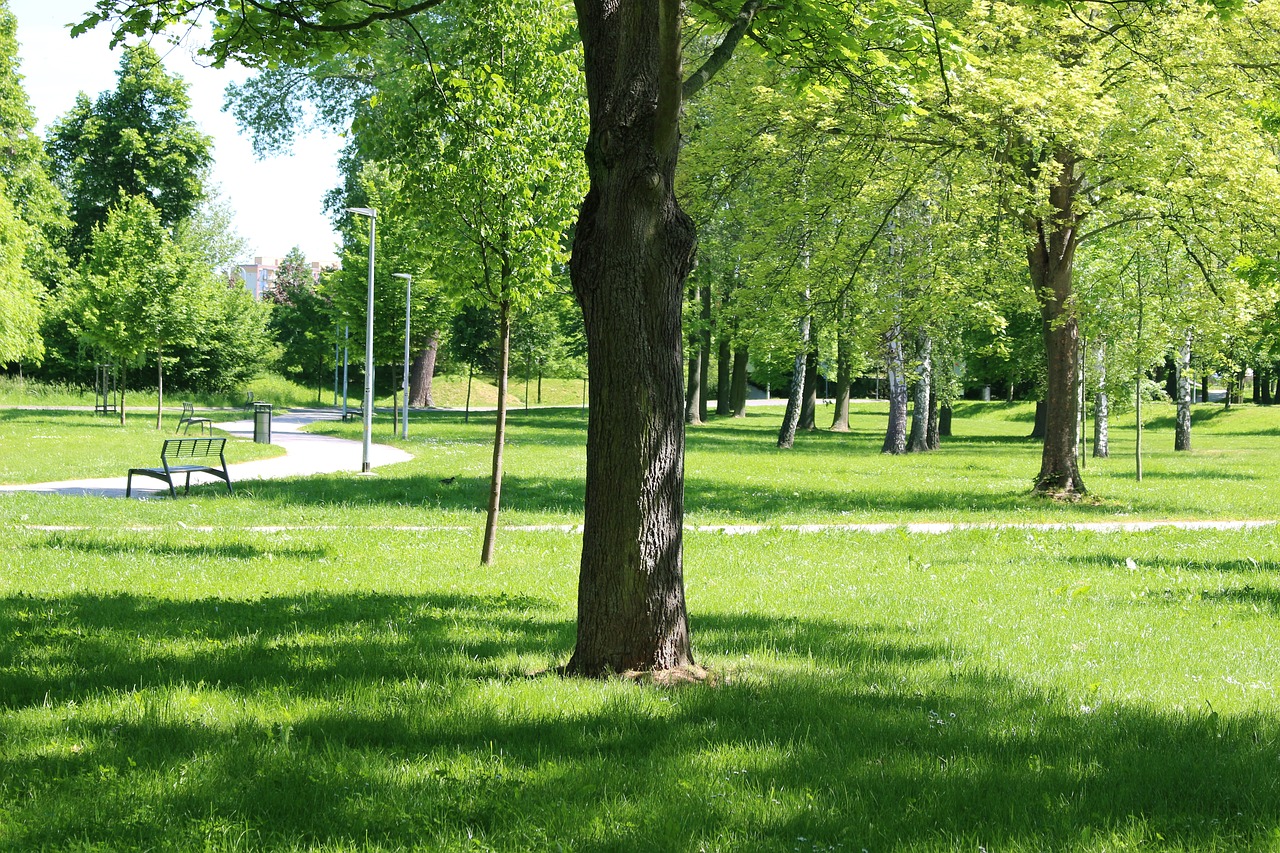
pixel 809 402
pixel 895 436
pixel 791 418
pixel 1051 257
pixel 921 388
pixel 422 372
pixel 724 375
pixel 1182 428
pixel 633 248
pixel 738 385
pixel 1101 413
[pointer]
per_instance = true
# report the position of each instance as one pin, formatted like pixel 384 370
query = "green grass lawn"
pixel 44 446
pixel 282 669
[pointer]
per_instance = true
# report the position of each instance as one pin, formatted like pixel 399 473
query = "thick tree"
pixel 1093 133
pixel 137 139
pixel 632 248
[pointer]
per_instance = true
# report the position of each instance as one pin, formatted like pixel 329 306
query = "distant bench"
pixel 353 413
pixel 172 456
pixel 189 417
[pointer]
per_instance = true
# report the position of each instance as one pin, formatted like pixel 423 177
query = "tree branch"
pixel 720 56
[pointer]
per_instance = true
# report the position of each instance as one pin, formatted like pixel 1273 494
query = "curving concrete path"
pixel 304 454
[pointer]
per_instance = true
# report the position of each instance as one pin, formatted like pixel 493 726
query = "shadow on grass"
pixel 395 722
pixel 866 498
pixel 90 544
pixel 762 504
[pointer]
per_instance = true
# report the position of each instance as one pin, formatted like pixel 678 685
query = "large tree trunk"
pixel 633 248
pixel 738 385
pixel 895 436
pixel 921 388
pixel 422 372
pixel 809 402
pixel 1182 428
pixel 1051 257
pixel 795 398
pixel 499 433
pixel 1101 414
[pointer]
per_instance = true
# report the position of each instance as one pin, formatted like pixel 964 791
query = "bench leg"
pixel 128 485
pixel 187 490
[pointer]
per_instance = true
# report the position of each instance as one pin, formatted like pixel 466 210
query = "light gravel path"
pixel 304 454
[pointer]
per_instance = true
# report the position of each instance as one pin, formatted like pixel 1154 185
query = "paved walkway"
pixel 305 454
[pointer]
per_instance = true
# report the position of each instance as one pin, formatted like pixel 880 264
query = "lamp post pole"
pixel 408 292
pixel 368 342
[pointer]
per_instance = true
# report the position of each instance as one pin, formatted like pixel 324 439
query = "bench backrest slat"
pixel 188 448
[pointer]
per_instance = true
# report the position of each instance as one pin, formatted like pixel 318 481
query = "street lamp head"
pixel 364 211
pixel 406 276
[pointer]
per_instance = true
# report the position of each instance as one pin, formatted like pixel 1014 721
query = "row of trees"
pixel 1063 172
pixel 114 248
pixel 914 181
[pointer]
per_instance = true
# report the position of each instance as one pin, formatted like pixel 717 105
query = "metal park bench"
pixel 186 456
pixel 189 417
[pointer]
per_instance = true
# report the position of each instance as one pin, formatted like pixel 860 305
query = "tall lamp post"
pixel 368 341
pixel 408 291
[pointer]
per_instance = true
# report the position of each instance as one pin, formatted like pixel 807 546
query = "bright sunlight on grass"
pixel 320 664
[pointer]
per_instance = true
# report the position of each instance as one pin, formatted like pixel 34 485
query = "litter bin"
pixel 262 423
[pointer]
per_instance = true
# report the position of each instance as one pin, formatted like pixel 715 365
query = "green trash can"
pixel 262 423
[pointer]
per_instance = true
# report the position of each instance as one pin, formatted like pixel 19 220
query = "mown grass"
pixel 334 690
pixel 180 675
pixel 735 473
pixel 49 445
pixel 449 391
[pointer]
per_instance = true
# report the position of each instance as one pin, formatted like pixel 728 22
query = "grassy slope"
pixel 362 688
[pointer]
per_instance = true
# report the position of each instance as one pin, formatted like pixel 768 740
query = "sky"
pixel 278 201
